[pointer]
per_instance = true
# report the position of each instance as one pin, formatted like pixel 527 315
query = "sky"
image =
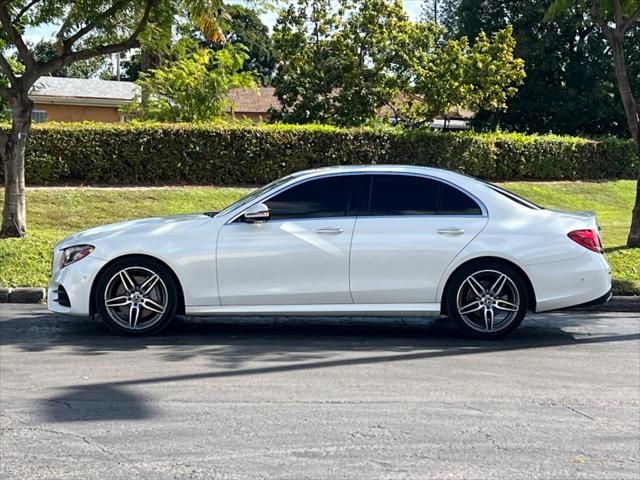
pixel 34 35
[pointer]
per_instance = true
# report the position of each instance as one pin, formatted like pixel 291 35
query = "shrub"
pixel 236 154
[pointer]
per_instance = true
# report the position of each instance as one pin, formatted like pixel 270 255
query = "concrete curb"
pixel 38 295
pixel 616 304
pixel 22 295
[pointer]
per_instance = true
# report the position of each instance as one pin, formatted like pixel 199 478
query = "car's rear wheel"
pixel 136 296
pixel 487 300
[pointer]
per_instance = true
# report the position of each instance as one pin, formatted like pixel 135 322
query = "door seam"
pixel 353 232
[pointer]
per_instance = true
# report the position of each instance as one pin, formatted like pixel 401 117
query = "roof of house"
pixel 455 113
pixel 83 91
pixel 254 100
pixel 79 91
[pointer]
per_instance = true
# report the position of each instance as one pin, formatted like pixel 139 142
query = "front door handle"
pixel 329 231
pixel 451 231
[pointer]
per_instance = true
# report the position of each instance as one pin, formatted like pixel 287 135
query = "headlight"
pixel 73 254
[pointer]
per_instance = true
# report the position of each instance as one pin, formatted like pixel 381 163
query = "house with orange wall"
pixel 60 99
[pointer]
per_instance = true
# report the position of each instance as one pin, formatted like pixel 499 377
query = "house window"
pixel 39 116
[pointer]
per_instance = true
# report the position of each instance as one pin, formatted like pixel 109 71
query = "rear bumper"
pixel 593 303
pixel 572 282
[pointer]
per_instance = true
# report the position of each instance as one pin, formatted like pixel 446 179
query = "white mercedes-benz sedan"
pixel 356 240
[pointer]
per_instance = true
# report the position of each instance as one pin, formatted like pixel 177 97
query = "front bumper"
pixel 77 280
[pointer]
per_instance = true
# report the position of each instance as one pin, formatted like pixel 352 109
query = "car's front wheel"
pixel 487 300
pixel 136 296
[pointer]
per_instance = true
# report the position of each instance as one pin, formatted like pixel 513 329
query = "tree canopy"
pixel 570 85
pixel 46 50
pixel 193 87
pixel 244 27
pixel 340 63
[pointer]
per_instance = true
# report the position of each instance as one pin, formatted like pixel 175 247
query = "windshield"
pixel 255 194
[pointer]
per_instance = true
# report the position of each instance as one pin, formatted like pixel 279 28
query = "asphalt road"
pixel 319 398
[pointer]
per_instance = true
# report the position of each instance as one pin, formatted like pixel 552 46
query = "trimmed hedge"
pixel 234 155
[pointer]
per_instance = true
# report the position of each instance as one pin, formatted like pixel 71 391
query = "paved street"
pixel 319 398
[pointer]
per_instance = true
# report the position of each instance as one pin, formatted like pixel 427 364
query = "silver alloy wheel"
pixel 488 301
pixel 136 298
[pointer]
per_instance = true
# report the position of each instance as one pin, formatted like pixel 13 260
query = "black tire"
pixel 148 310
pixel 463 298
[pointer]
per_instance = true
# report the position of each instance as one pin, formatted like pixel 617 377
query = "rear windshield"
pixel 515 198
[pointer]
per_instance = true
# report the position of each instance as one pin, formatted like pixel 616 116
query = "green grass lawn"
pixel 56 212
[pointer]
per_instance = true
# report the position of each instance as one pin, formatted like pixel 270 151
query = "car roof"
pixel 368 168
pixel 378 168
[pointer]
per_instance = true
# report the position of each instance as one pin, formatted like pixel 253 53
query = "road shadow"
pixel 89 403
pixel 232 347
pixel 229 342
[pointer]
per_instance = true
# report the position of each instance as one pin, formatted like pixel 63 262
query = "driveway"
pixel 319 398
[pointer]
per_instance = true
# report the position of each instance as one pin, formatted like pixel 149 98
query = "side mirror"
pixel 257 213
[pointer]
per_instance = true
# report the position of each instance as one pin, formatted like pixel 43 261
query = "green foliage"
pixel 90 28
pixel 448 74
pixel 340 63
pixel 131 67
pixel 4 82
pixel 561 7
pixel 244 27
pixel 570 87
pixel 46 50
pixel 368 46
pixel 193 88
pixel 120 154
pixel 26 261
pixel 308 69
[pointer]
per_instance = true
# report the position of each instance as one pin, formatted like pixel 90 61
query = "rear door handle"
pixel 451 231
pixel 329 231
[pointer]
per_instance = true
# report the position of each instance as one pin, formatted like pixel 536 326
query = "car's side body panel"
pixel 285 262
pixel 401 259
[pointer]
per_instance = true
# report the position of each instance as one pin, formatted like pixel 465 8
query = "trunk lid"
pixel 577 219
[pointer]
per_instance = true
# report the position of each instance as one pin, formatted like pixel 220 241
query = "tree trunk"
pixel 633 241
pixel 12 149
pixel 633 122
pixel 148 61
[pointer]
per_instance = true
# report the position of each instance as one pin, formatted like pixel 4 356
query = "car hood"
pixel 155 226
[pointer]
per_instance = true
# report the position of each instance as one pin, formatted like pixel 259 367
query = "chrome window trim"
pixel 282 188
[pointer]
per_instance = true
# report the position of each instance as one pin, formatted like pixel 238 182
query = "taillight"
pixel 588 239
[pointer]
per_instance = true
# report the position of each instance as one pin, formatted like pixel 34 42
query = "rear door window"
pixel 397 195
pixel 393 195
